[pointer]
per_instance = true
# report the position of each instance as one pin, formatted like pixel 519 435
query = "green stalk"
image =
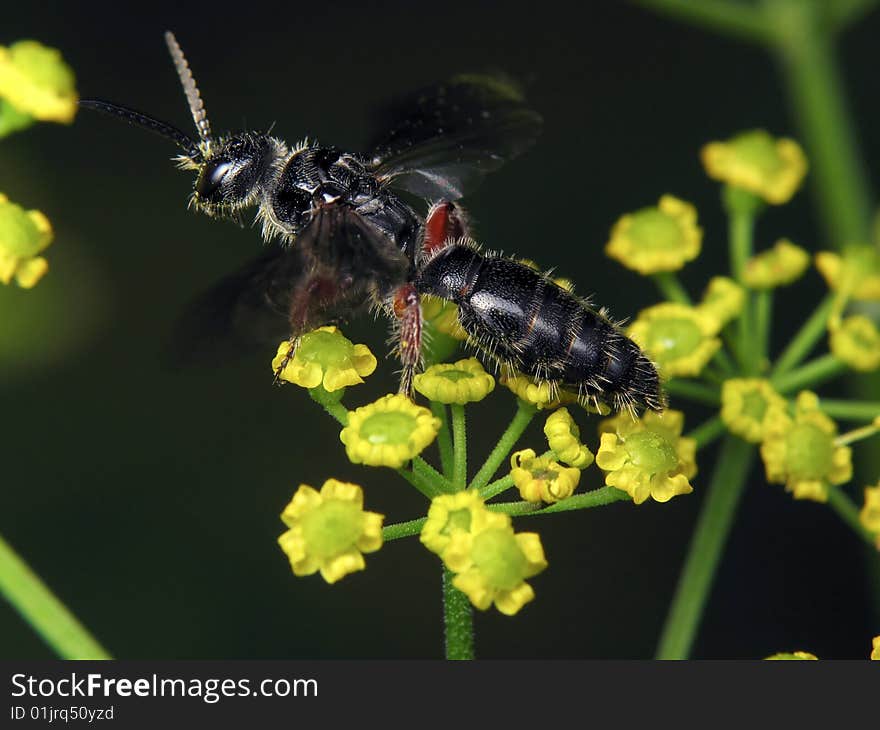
pixel 694 390
pixel 810 375
pixel 427 488
pixel 707 432
pixel 849 513
pixel 707 544
pixel 730 17
pixel 459 448
pixel 806 338
pixel 459 620
pixel 444 438
pixel 47 615
pixel 403 529
pixel 493 489
pixel 851 410
pixel 670 287
pixel 521 419
pixel 594 498
pixel 763 320
pixel 428 473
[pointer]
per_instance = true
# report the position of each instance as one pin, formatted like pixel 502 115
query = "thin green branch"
pixel 857 434
pixel 849 513
pixel 851 410
pixel 46 614
pixel 806 338
pixel 419 482
pixel 521 419
pixel 694 390
pixel 707 544
pixel 493 489
pixel 444 438
pixel 430 474
pixel 707 432
pixel 459 447
pixel 763 320
pixel 735 19
pixel 594 498
pixel 812 374
pixel 403 529
pixel 671 287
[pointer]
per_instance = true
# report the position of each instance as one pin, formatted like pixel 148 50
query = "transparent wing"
pixel 440 142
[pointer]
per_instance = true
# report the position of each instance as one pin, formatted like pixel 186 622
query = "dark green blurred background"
pixel 150 499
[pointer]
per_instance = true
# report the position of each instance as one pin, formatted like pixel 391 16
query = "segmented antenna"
pixel 193 98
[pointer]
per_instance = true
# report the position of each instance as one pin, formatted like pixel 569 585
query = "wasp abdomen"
pixel 524 320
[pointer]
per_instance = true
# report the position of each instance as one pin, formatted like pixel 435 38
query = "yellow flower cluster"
pixel 325 358
pixel 778 266
pixel 679 339
pixel 490 561
pixel 564 439
pixel 856 274
pixel 23 236
pixel 648 457
pixel 723 300
pixel 542 478
pixel 856 341
pixel 328 531
pixel 747 405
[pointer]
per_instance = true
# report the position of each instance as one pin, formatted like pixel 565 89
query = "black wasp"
pixel 345 236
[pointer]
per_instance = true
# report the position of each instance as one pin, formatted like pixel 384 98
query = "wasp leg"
pixel 446 222
pixel 408 313
pixel 306 311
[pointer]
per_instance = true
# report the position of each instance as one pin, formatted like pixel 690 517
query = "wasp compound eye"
pixel 211 179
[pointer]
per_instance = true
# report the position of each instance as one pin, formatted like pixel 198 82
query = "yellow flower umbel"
pixel 329 530
pixel 494 567
pixel 801 453
pixel 856 342
pixel 778 266
pixel 443 315
pixel 23 235
pixel 856 274
pixel 869 515
pixel 793 656
pixel 564 439
pixel 648 457
pixel 723 299
pixel 34 83
pixel 754 161
pixel 453 515
pixel 327 358
pixel 678 338
pixel 388 432
pixel 659 238
pixel 542 478
pixel 746 406
pixel 462 382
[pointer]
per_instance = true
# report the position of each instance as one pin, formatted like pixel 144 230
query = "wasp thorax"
pixel 230 178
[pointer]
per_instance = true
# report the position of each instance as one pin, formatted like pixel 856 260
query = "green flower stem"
pixel 48 616
pixel 724 363
pixel 857 434
pixel 851 410
pixel 458 617
pixel 430 474
pixel 707 544
pixel 419 482
pixel 670 287
pixel 459 447
pixel 521 419
pixel 694 390
pixel 707 432
pixel 813 80
pixel 849 513
pixel 594 498
pixel 810 375
pixel 763 320
pixel 806 338
pixel 403 529
pixel 729 17
pixel 330 403
pixel 495 488
pixel 444 438
pixel 742 225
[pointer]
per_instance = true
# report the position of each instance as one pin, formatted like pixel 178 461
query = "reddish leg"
pixel 445 222
pixel 405 303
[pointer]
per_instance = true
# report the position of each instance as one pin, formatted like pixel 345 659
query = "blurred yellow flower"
pixel 723 299
pixel 461 513
pixel 755 161
pixel 329 530
pixel 869 515
pixel 678 338
pixel 801 453
pixel 36 81
pixel 23 235
pixel 875 648
pixel 794 655
pixel 564 439
pixel 746 404
pixel 658 238
pixel 325 357
pixel 443 315
pixel 856 273
pixel 541 395
pixel 856 342
pixel 542 478
pixel 462 382
pixel 777 266
pixel 388 432
pixel 648 457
